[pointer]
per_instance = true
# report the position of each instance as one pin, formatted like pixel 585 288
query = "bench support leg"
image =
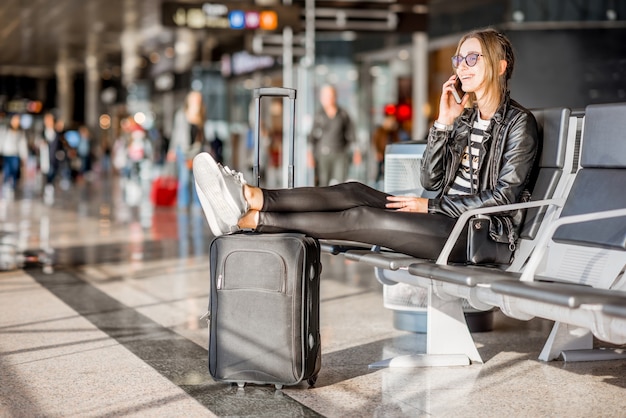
pixel 448 340
pixel 572 343
pixel 565 337
pixel 447 329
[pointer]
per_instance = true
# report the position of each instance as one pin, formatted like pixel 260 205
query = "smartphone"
pixel 458 92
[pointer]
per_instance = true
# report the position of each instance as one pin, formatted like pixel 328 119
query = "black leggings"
pixel 356 212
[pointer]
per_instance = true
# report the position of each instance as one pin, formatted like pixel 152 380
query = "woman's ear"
pixel 503 65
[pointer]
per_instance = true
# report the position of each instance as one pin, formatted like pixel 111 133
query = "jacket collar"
pixel 503 108
pixel 468 114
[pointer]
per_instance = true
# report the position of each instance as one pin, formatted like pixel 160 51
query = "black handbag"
pixel 481 248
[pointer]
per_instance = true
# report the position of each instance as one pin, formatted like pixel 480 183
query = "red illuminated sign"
pixel 402 111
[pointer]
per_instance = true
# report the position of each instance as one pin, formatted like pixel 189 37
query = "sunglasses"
pixel 470 59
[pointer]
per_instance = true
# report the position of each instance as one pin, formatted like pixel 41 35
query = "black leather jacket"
pixel 511 142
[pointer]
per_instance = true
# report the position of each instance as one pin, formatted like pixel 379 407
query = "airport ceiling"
pixel 34 34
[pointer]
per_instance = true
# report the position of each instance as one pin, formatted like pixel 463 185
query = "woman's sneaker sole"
pixel 218 205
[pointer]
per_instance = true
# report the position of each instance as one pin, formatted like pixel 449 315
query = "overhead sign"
pixel 399 16
pixel 234 16
pixel 242 63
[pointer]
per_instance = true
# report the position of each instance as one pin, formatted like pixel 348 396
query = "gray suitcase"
pixel 264 299
pixel 264 309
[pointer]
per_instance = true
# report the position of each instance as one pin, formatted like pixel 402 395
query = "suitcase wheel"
pixel 240 385
pixel 278 387
pixel 311 380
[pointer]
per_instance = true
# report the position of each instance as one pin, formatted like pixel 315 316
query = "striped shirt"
pixel 463 184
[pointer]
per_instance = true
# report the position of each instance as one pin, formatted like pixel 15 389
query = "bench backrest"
pixel 601 182
pixel 554 131
pixel 559 131
pixel 594 253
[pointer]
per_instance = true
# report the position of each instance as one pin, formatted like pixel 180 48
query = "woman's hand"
pixel 449 109
pixel 408 204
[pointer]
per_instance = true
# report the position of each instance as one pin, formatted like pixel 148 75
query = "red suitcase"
pixel 164 189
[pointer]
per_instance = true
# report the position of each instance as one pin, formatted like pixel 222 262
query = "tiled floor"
pixel 114 330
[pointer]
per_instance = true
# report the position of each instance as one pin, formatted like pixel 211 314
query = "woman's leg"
pixel 415 234
pixel 13 173
pixel 6 170
pixel 195 200
pixel 184 190
pixel 351 211
pixel 322 169
pixel 340 164
pixel 323 199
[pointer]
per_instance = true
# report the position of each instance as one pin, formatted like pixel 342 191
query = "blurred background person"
pixel 139 153
pixel 44 141
pixel 3 128
pixel 187 140
pixel 84 152
pixel 71 164
pixel 119 157
pixel 104 154
pixel 331 137
pixel 139 157
pixel 63 154
pixel 53 134
pixel 14 149
pixel 404 130
pixel 386 133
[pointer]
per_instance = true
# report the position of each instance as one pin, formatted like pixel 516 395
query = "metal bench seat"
pixel 615 309
pixel 470 276
pixel 575 271
pixel 447 331
pixel 570 295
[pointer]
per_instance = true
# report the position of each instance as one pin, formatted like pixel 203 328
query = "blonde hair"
pixel 495 47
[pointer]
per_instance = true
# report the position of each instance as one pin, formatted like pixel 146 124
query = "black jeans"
pixel 356 212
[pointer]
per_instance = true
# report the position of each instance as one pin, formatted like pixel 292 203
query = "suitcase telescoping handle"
pixel 274 92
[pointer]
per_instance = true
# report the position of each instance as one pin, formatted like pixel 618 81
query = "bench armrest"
pixel 466 216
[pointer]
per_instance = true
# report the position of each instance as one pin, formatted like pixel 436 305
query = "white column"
pixel 130 56
pixel 306 98
pixel 92 67
pixel 130 41
pixel 65 91
pixel 92 89
pixel 420 84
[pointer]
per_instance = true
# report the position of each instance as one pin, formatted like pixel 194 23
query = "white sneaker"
pixel 220 191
